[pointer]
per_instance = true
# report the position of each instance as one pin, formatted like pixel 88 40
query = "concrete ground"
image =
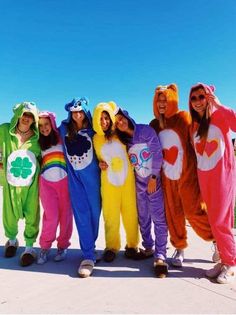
pixel 123 286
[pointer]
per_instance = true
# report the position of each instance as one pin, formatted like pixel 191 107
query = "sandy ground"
pixel 122 287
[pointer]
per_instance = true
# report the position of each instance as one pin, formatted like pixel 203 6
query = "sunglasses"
pixel 200 97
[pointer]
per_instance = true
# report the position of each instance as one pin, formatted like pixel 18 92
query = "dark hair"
pixel 109 132
pixel 204 121
pixel 123 136
pixel 46 142
pixel 72 127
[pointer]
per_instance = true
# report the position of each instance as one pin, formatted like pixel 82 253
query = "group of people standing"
pixel 179 167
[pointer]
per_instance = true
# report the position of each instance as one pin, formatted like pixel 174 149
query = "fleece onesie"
pixel 21 170
pixel 217 177
pixel 117 184
pixel 84 179
pixel 179 172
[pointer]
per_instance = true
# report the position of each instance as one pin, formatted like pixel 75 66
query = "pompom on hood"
pixel 77 105
pixel 109 107
pixel 19 110
pixel 171 94
pixel 209 89
pixel 52 117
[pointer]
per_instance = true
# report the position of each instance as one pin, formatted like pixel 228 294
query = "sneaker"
pixel 11 248
pixel 61 254
pixel 178 258
pixel 86 268
pixel 214 272
pixel 227 274
pixel 216 254
pixel 28 257
pixel 160 268
pixel 43 256
pixel 131 252
pixel 109 255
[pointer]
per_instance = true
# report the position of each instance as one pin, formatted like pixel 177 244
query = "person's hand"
pixel 213 101
pixel 152 185
pixel 103 165
pixel 1 166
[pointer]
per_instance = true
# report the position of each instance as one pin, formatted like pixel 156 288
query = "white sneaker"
pixel 61 254
pixel 227 274
pixel 86 268
pixel 214 272
pixel 216 254
pixel 177 258
pixel 43 257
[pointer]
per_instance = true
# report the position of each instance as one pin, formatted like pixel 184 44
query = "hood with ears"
pixel 51 116
pixel 110 108
pixel 19 110
pixel 209 89
pixel 76 105
pixel 171 94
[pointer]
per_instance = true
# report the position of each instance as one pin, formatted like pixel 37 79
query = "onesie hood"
pixel 171 94
pixel 51 116
pixel 110 108
pixel 19 110
pixel 77 105
pixel 209 89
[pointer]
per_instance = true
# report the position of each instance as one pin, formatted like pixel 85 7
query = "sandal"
pixel 86 268
pixel 160 268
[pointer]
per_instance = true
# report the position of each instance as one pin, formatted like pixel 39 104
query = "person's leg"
pixel 50 203
pixel 65 215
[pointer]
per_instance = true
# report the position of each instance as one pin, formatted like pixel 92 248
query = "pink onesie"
pixel 217 178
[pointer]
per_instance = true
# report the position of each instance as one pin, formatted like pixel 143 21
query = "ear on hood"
pixel 51 116
pixel 171 94
pixel 19 110
pixel 109 107
pixel 209 89
pixel 78 104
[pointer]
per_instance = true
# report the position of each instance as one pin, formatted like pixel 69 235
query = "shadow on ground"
pixel 121 267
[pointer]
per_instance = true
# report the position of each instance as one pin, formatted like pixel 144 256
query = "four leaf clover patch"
pixel 21 167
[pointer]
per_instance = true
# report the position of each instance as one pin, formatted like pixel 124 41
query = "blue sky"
pixel 55 50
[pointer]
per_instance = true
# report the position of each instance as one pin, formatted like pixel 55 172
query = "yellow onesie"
pixel 117 184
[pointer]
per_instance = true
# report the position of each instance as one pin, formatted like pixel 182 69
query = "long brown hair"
pixel 204 121
pixel 72 127
pixel 47 142
pixel 110 131
pixel 123 136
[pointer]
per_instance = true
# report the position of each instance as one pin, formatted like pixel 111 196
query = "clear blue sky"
pixel 54 50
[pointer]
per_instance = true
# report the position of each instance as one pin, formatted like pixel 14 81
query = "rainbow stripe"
pixel 53 159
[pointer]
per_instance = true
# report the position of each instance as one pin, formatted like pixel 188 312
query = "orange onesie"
pixel 179 173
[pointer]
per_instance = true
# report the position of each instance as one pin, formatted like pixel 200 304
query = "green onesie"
pixel 20 182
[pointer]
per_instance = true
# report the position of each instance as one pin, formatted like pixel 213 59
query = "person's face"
pixel 26 120
pixel 45 126
pixel 78 117
pixel 105 121
pixel 161 103
pixel 122 123
pixel 198 101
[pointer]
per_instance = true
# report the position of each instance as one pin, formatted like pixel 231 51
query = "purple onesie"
pixel 145 155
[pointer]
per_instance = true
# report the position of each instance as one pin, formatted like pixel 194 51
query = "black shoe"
pixel 160 268
pixel 109 255
pixel 144 254
pixel 27 258
pixel 131 253
pixel 10 250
